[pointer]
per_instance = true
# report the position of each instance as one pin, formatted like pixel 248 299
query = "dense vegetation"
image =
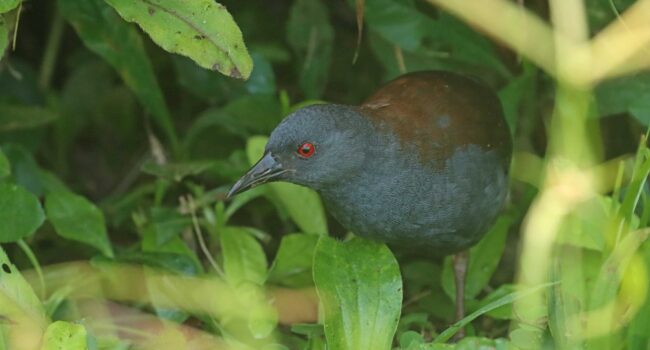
pixel 124 123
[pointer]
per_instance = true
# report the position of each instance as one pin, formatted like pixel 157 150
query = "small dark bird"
pixel 421 165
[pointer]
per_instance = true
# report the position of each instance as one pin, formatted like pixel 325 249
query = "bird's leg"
pixel 460 271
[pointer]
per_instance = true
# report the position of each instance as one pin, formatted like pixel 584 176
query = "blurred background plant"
pixel 119 140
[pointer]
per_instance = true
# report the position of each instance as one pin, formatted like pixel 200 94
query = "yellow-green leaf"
pixel 62 335
pixel 203 30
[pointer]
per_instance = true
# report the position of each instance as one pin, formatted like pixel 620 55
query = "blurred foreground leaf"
pixel 64 335
pixel 76 218
pixel 23 317
pixel 20 213
pixel 103 32
pixel 360 287
pixel 200 29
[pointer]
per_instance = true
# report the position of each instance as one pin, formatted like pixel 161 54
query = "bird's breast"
pixel 396 200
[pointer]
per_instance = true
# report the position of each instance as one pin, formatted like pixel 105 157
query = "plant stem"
pixel 37 266
pixel 51 51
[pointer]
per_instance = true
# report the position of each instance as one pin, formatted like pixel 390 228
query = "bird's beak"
pixel 265 170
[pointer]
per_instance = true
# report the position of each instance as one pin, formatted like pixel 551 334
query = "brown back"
pixel 439 112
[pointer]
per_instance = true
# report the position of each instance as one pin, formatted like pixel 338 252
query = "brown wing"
pixel 440 112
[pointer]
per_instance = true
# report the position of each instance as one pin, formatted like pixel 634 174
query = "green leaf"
pixel 428 43
pixel 176 171
pixel 5 166
pixel 76 218
pixel 292 266
pixel 8 5
pixel 18 117
pixel 104 33
pixel 20 307
pixel 303 205
pixel 167 223
pixel 62 335
pixel 360 288
pixel 626 95
pixel 517 93
pixel 20 213
pixel 311 36
pixel 200 29
pixel 217 89
pixel 243 257
pixel 483 260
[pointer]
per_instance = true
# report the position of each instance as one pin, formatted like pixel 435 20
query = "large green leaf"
pixel 626 95
pixel 20 213
pixel 483 260
pixel 103 32
pixel 76 218
pixel 16 117
pixel 243 257
pixel 293 263
pixel 311 36
pixel 200 29
pixel 360 288
pixel 303 205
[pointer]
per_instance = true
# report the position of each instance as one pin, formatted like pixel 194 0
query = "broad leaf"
pixel 303 205
pixel 293 263
pixel 626 95
pixel 360 288
pixel 200 29
pixel 243 257
pixel 103 32
pixel 76 218
pixel 64 335
pixel 20 213
pixel 17 117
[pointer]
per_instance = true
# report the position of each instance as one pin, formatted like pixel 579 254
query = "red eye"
pixel 306 150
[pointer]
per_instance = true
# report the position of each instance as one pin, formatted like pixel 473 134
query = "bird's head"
pixel 314 147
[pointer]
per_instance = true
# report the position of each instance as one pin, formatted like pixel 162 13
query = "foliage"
pixel 124 123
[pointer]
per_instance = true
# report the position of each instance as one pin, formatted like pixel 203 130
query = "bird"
pixel 422 164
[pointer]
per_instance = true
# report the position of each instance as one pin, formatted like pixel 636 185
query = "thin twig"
pixel 188 202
